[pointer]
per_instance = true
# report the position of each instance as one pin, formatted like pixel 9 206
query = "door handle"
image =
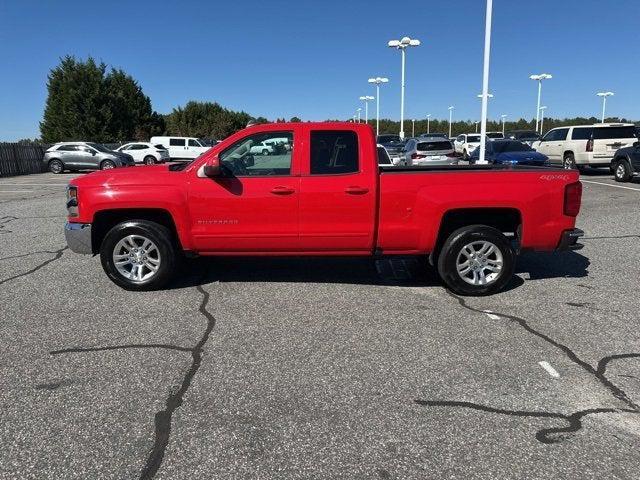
pixel 355 190
pixel 282 190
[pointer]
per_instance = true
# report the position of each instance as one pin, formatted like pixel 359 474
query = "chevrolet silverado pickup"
pixel 323 194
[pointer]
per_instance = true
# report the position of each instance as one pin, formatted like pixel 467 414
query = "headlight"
pixel 72 200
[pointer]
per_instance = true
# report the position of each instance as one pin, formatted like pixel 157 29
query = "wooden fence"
pixel 18 159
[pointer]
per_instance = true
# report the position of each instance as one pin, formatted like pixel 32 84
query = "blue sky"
pixel 312 59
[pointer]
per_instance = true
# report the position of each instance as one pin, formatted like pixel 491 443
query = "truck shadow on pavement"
pixel 396 271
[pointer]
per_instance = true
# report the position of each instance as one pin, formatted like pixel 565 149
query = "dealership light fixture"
pixel 450 118
pixel 366 99
pixel 402 45
pixel 542 109
pixel 377 81
pixel 503 117
pixel 428 120
pixel 539 78
pixel 604 96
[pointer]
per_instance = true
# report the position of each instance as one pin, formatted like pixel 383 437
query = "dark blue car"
pixel 510 152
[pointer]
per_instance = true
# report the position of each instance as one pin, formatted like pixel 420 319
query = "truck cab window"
pixel 259 155
pixel 334 152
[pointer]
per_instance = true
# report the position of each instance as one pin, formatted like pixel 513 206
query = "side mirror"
pixel 636 144
pixel 212 168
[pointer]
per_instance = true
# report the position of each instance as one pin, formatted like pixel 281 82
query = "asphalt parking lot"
pixel 303 368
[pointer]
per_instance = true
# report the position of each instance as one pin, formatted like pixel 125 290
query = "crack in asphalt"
pixel 28 254
pixel 544 435
pixel 120 347
pixel 163 418
pixel 574 419
pixel 611 238
pixel 58 254
pixel 174 400
pixel 3 224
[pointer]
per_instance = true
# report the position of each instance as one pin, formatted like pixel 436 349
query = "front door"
pixel 337 193
pixel 253 207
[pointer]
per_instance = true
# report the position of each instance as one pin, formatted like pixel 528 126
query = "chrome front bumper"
pixel 78 237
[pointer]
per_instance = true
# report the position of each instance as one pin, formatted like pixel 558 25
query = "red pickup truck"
pixel 301 189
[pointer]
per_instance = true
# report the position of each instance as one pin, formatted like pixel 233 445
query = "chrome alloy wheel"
pixel 136 258
pixel 479 263
pixel 620 170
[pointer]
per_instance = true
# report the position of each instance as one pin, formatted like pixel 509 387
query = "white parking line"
pixel 19 184
pixel 550 370
pixel 491 315
pixel 609 185
pixel 16 191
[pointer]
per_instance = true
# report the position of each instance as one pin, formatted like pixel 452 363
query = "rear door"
pixel 337 192
pixel 177 148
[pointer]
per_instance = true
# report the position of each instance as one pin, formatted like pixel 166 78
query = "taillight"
pixel 572 197
pixel 590 145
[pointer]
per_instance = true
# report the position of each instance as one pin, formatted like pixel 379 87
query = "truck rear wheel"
pixel 622 171
pixel 139 255
pixel 476 260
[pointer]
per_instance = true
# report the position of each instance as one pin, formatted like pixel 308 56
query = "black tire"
pixel 158 234
pixel 56 166
pixel 569 161
pixel 622 171
pixel 465 155
pixel 107 165
pixel 265 152
pixel 452 249
pixel 149 160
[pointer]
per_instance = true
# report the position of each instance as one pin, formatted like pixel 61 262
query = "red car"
pixel 320 192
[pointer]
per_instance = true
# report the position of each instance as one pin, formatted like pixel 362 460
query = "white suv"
pixel 586 145
pixel 466 143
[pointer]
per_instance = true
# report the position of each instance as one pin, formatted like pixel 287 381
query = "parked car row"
pixel 612 145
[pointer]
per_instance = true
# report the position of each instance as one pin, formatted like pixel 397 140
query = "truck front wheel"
pixel 139 255
pixel 476 260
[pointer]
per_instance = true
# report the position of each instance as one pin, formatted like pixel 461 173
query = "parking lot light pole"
pixel 428 120
pixel 503 117
pixel 450 118
pixel 539 78
pixel 402 45
pixel 413 127
pixel 366 99
pixel 476 124
pixel 358 110
pixel 604 96
pixel 485 80
pixel 542 109
pixel 378 81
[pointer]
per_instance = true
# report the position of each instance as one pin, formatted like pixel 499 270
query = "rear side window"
pixel 433 146
pixel 334 152
pixel 383 156
pixel 473 138
pixel 193 143
pixel 177 142
pixel 581 133
pixel 67 148
pixel 614 132
pixel 160 147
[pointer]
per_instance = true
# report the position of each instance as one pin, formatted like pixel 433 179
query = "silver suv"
pixel 84 156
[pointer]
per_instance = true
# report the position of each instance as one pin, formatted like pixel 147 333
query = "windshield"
pixel 503 147
pixel 527 135
pixel 473 138
pixel 99 147
pixel 388 138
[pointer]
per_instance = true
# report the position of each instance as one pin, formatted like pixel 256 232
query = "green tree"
pixel 205 120
pixel 86 103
